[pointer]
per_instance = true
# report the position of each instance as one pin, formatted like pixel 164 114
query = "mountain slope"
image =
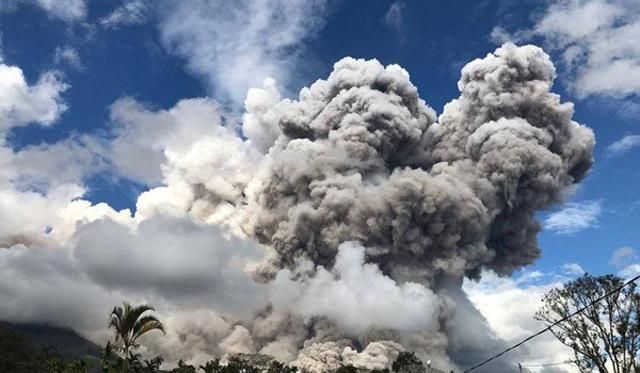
pixel 65 341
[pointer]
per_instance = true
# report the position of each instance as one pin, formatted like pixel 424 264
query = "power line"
pixel 541 365
pixel 580 310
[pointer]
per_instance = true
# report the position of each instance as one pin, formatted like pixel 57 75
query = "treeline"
pixel 19 355
pixel 129 323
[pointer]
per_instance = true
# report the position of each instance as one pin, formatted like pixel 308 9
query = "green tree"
pixel 129 324
pixel 133 362
pixel 153 365
pixel 211 366
pixel 184 368
pixel 16 354
pixel 606 335
pixel 50 361
pixel 77 366
pixel 55 365
pixel 237 364
pixel 277 367
pixel 408 362
pixel 111 362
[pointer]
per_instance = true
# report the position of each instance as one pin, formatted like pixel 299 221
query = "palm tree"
pixel 153 365
pixel 111 362
pixel 133 362
pixel 130 324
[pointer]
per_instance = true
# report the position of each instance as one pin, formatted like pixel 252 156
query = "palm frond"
pixel 129 323
pixel 147 324
pixel 132 315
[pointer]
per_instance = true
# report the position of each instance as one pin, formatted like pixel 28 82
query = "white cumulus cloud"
pixel 394 18
pixel 624 145
pixel 66 10
pixel 496 298
pixel 625 260
pixel 67 55
pixel 573 269
pixel 597 42
pixel 131 12
pixel 143 137
pixel 623 256
pixel 22 103
pixel 630 271
pixel 237 45
pixel 574 217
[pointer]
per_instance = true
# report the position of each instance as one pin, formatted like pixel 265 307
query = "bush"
pixel 408 362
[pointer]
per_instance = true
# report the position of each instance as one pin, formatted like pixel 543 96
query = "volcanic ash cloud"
pixel 362 158
pixel 421 201
pixel 370 208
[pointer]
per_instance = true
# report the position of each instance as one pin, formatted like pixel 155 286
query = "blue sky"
pixel 114 82
pixel 431 40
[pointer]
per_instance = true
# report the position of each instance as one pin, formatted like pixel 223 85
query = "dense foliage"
pixel 18 354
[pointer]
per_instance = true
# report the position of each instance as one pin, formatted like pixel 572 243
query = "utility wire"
pixel 580 310
pixel 547 364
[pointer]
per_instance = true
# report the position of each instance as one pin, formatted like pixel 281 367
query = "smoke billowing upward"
pixel 369 205
pixel 362 158
pixel 371 211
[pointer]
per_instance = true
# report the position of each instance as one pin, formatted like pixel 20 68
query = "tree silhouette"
pixel 15 351
pixel 211 366
pixel 130 323
pixel 277 367
pixel 184 368
pixel 606 335
pixel 153 365
pixel 408 362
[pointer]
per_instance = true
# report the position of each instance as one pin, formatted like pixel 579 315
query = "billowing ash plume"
pixel 361 157
pixel 364 195
pixel 371 209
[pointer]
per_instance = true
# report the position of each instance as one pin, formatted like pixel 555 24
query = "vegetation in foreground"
pixel 129 323
pixel 18 355
pixel 597 317
pixel 605 336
